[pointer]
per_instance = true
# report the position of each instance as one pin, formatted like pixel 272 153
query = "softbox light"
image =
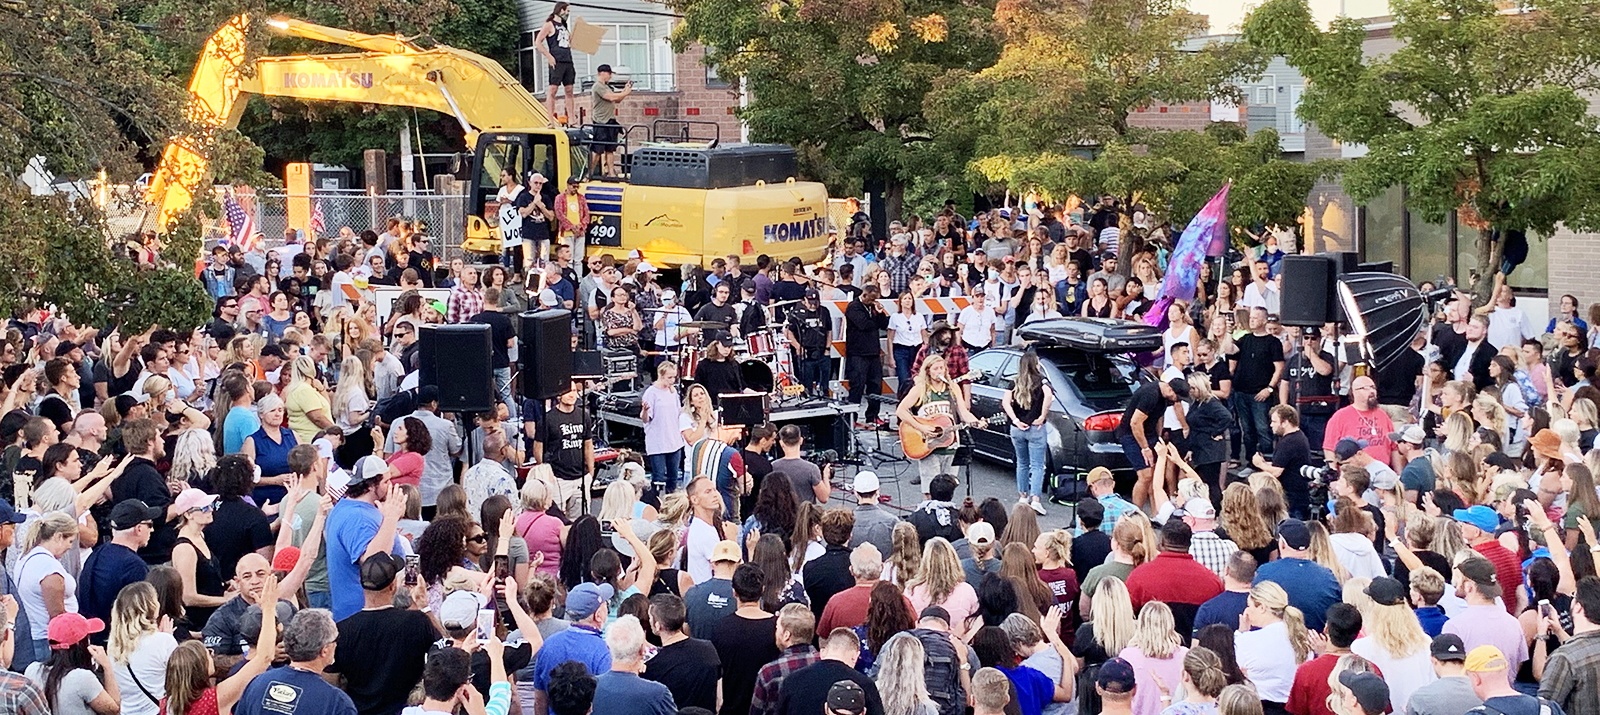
pixel 1385 312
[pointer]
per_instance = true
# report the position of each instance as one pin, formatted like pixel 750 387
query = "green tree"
pixel 78 91
pixel 1055 113
pixel 1481 110
pixel 843 80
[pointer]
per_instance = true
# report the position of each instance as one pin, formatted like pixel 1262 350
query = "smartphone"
pixel 502 571
pixel 485 623
pixel 413 566
pixel 1545 609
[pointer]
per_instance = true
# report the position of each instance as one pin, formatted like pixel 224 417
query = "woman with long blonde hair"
pixel 1155 652
pixel 1052 554
pixel 307 404
pixel 1111 619
pixel 932 393
pixel 940 581
pixel 1241 518
pixel 901 564
pixel 1457 431
pixel 1394 640
pixel 140 643
pixel 900 677
pixel 1276 646
pixel 701 413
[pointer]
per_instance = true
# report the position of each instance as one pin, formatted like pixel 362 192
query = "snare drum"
pixel 761 344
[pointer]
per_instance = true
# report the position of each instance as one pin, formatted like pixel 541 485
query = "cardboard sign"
pixel 585 37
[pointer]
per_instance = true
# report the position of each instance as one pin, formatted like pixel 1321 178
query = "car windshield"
pixel 1102 381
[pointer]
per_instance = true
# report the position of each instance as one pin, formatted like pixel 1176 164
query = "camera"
pixel 1317 480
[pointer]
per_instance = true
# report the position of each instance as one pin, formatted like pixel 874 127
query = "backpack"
pixel 941 671
pixel 396 406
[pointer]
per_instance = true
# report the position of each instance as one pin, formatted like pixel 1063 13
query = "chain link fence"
pixel 441 217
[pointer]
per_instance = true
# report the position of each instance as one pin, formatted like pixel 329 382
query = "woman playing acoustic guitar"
pixel 930 408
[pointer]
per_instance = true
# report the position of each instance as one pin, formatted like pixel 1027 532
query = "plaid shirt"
pixel 764 701
pixel 1212 551
pixel 1572 676
pixel 955 360
pixel 1116 507
pixel 19 696
pixel 900 270
pixel 464 303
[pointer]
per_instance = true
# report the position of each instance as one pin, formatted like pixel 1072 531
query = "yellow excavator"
pixel 682 203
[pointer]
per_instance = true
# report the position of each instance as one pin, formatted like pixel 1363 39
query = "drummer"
pixel 719 310
pixel 718 372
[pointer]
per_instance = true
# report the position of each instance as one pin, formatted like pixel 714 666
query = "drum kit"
pixel 765 361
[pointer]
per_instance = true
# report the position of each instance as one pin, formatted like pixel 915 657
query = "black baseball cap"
pixel 1117 677
pixel 378 571
pixel 1180 387
pixel 1294 533
pixel 1386 591
pixel 603 69
pixel 847 697
pixel 1448 646
pixel 129 513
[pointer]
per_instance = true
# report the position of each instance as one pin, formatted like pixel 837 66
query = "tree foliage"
pixel 78 89
pixel 1480 109
pixel 1055 113
pixel 843 80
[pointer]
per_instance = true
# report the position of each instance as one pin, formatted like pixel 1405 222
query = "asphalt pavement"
pixel 984 478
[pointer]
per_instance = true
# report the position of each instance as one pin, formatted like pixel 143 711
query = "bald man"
pixel 1363 421
pixel 223 634
pixel 87 434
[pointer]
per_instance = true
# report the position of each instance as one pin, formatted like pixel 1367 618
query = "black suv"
pixel 1087 363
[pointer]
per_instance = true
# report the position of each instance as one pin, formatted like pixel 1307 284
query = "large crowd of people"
pixel 268 514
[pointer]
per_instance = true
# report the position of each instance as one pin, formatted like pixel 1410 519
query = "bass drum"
pixel 757 375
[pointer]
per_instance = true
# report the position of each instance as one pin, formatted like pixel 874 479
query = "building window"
pixel 1265 93
pixel 627 49
pixel 713 81
pixel 1292 123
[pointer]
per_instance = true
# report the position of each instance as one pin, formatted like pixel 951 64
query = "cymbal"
pixel 705 325
pixel 784 302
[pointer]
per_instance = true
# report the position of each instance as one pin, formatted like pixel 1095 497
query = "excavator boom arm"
pixel 475 90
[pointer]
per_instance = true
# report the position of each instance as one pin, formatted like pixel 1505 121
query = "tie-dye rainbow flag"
pixel 1206 236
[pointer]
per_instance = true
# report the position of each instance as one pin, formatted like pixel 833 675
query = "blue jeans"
pixel 814 373
pixel 904 357
pixel 1255 429
pixel 665 469
pixel 502 388
pixel 1030 445
pixel 319 599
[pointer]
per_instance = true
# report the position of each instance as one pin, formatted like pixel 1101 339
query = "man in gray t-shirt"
pixel 1452 693
pixel 810 483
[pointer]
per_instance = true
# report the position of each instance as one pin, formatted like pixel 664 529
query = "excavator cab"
pixel 550 153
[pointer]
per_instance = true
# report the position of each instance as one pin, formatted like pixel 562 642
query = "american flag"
pixel 241 225
pixel 317 225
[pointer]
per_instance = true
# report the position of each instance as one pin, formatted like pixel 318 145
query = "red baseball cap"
pixel 286 558
pixel 68 629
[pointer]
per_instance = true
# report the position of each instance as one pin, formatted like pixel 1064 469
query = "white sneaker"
pixel 1034 502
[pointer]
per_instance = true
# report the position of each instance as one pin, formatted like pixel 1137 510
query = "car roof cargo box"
pixel 715 168
pixel 1095 334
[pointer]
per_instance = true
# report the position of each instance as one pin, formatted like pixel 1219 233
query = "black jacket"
pixel 1208 421
pixel 863 328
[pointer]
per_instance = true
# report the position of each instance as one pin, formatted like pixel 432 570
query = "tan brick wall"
pixel 692 100
pixel 1573 257
pixel 1195 115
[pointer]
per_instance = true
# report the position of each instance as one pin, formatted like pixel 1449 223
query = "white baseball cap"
pixel 866 482
pixel 1200 508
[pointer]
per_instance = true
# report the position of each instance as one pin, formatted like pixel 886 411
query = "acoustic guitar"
pixel 944 430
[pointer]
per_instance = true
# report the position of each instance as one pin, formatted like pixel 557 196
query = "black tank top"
pixel 207 582
pixel 1101 312
pixel 559 42
pixel 1027 416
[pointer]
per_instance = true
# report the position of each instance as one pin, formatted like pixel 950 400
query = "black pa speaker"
pixel 1308 296
pixel 546 353
pixel 459 360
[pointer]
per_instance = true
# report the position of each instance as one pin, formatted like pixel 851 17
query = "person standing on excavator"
pixel 607 130
pixel 554 41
